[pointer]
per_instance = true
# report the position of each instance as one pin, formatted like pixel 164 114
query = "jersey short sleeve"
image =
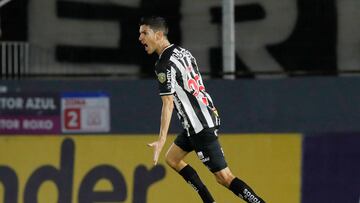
pixel 166 79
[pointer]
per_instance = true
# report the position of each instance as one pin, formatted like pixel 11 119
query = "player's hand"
pixel 157 145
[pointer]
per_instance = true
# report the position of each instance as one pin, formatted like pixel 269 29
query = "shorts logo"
pixel 202 157
pixel 161 77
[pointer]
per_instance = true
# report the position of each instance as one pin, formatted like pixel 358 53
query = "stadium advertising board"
pixel 82 169
pixel 331 166
pixel 29 113
pixel 85 112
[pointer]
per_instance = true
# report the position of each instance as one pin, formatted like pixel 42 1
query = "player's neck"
pixel 162 46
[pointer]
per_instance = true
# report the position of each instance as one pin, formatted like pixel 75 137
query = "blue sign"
pixel 331 168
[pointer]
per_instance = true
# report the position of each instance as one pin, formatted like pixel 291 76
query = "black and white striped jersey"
pixel 178 75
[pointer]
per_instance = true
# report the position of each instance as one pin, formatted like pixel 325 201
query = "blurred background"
pixel 78 99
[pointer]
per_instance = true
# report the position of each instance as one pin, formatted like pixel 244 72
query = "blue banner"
pixel 331 168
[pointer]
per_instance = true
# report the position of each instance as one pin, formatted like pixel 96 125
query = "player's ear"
pixel 159 35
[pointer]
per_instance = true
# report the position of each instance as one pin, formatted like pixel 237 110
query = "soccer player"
pixel 180 84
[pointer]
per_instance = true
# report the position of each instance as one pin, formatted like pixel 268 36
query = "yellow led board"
pixel 103 168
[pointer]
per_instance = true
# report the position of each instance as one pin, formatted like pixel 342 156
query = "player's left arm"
pixel 166 113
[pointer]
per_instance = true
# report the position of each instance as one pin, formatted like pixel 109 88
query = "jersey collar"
pixel 165 49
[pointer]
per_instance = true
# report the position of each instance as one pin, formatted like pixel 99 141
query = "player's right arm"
pixel 166 80
pixel 166 113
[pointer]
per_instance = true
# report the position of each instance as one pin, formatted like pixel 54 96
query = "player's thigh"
pixel 175 156
pixel 183 141
pixel 175 153
pixel 209 151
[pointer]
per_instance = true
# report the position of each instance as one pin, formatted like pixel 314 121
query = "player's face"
pixel 148 38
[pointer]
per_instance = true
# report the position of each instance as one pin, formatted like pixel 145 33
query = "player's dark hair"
pixel 156 23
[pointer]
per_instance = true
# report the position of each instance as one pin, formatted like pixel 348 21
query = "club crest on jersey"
pixel 161 77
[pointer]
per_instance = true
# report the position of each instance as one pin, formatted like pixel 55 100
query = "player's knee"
pixel 220 180
pixel 170 161
pixel 224 179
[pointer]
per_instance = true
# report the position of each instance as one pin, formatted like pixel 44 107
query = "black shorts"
pixel 206 146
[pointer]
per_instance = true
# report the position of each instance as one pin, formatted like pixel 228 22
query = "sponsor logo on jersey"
pixel 168 77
